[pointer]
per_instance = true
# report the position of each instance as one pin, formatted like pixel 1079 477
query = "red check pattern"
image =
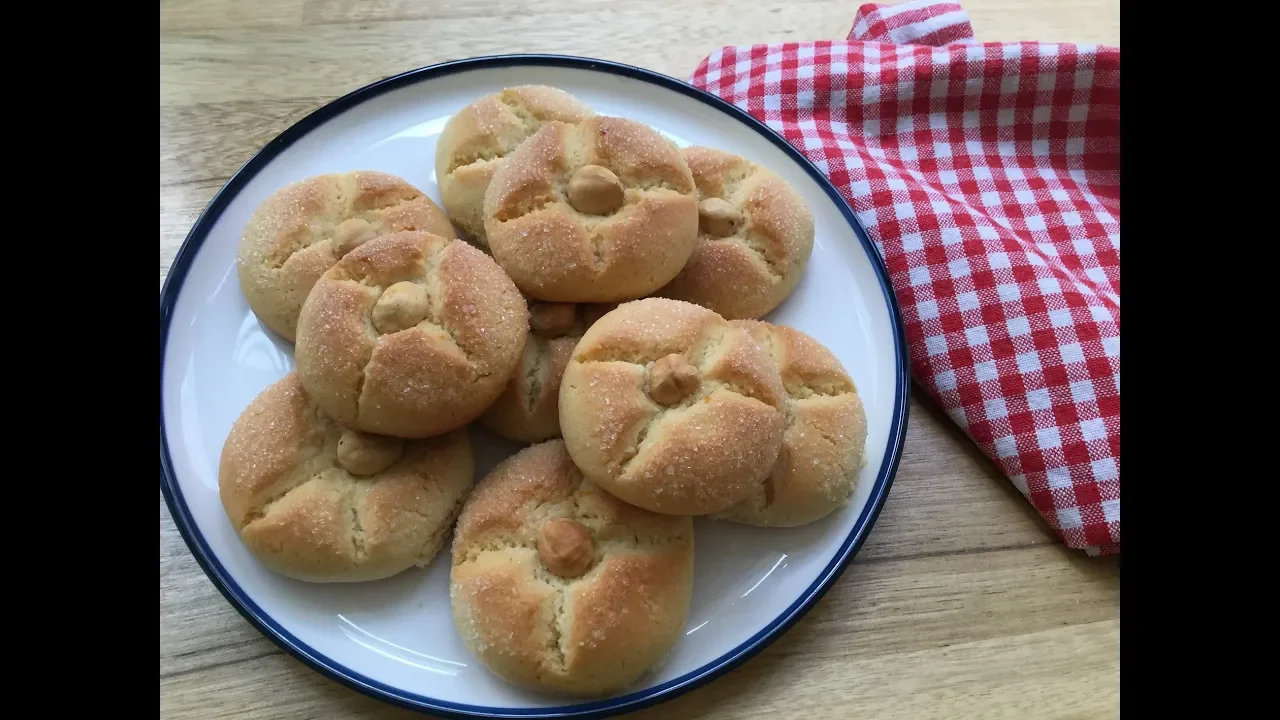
pixel 988 176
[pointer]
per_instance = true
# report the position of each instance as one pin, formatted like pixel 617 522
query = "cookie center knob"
pixel 672 379
pixel 552 320
pixel 351 234
pixel 595 191
pixel 401 306
pixel 365 454
pixel 717 218
pixel 565 547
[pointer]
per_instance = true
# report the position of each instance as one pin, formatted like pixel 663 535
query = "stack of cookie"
pixel 354 467
pixel 605 307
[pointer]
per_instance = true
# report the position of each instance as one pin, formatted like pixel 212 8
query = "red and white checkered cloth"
pixel 988 175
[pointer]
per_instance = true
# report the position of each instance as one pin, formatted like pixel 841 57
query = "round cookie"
pixel 600 211
pixel 302 229
pixel 475 141
pixel 560 587
pixel 528 410
pixel 671 408
pixel 321 503
pixel 410 335
pixel 755 236
pixel 826 437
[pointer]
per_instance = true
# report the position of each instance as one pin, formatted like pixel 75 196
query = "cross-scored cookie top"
pixel 558 585
pixel 478 137
pixel 410 335
pixel 825 441
pixel 699 440
pixel 598 211
pixel 301 230
pixel 755 237
pixel 494 126
pixel 286 483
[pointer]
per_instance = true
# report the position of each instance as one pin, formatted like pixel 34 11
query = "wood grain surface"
pixel 962 604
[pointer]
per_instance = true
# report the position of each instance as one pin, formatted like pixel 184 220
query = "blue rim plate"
pixel 223 580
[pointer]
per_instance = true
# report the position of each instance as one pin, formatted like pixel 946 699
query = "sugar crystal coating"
pixel 410 335
pixel 615 608
pixel 287 485
pixel 694 447
pixel 599 211
pixel 302 229
pixel 755 237
pixel 825 440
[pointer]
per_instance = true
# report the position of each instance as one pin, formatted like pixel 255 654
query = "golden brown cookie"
pixel 301 230
pixel 410 335
pixel 826 437
pixel 755 236
pixel 478 138
pixel 528 410
pixel 320 503
pixel 600 211
pixel 558 586
pixel 671 408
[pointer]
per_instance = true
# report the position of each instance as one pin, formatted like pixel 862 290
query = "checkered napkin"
pixel 988 176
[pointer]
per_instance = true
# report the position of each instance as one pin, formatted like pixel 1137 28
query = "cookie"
pixel 558 586
pixel 671 408
pixel 528 410
pixel 600 211
pixel 410 335
pixel 823 449
pixel 755 236
pixel 317 502
pixel 478 138
pixel 302 229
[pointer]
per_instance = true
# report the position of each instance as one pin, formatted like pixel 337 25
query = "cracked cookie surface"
pixel 598 211
pixel 558 586
pixel 476 140
pixel 302 229
pixel 755 237
pixel 824 446
pixel 528 410
pixel 410 335
pixel 687 435
pixel 287 484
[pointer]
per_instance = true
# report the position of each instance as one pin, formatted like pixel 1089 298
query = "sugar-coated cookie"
pixel 599 211
pixel 477 139
pixel 317 502
pixel 528 410
pixel 558 586
pixel 671 408
pixel 302 229
pixel 411 335
pixel 826 437
pixel 755 236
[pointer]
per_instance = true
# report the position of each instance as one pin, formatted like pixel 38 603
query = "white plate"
pixel 395 639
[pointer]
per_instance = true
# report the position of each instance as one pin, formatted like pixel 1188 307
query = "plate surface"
pixel 395 638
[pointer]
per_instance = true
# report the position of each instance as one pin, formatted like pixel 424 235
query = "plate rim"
pixel 334 670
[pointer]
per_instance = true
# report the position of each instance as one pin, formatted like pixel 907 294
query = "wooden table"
pixel 962 604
